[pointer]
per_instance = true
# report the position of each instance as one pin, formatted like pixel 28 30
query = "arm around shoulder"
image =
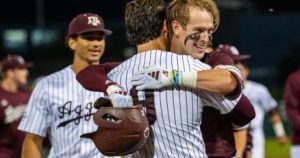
pixel 219 81
pixel 243 112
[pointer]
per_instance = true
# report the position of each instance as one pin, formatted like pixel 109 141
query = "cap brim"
pixel 105 31
pixel 242 57
pixel 29 64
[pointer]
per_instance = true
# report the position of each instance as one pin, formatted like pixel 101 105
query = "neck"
pixel 78 65
pixel 158 43
pixel 175 48
pixel 9 85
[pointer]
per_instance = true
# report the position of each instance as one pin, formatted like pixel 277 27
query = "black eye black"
pixel 195 36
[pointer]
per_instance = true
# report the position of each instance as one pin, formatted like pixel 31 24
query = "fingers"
pixel 137 83
pixel 122 101
pixel 140 88
pixel 137 77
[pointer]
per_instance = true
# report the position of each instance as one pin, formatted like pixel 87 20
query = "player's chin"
pixel 94 59
pixel 198 55
pixel 23 82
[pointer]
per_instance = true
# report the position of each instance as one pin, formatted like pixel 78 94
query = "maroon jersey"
pixel 292 104
pixel 217 130
pixel 12 106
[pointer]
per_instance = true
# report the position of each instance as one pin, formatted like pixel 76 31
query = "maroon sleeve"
pixel 94 78
pixel 218 58
pixel 292 99
pixel 243 112
pixel 110 65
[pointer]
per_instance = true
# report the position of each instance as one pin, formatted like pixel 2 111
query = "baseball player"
pixel 292 104
pixel 13 100
pixel 217 129
pixel 59 106
pixel 263 103
pixel 176 128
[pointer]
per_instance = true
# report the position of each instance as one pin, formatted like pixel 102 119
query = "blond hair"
pixel 179 10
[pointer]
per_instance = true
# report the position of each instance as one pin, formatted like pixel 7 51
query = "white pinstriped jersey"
pixel 62 108
pixel 261 100
pixel 176 132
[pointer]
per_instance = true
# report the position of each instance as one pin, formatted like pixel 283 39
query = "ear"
pixel 176 27
pixel 164 30
pixel 72 43
pixel 165 27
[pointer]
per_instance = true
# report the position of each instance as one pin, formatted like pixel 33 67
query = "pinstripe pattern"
pixel 262 102
pixel 57 99
pixel 176 132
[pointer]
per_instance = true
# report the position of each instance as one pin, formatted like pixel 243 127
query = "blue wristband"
pixel 176 78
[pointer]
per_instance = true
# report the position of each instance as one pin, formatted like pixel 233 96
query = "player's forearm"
pixel 218 81
pixel 277 123
pixel 32 146
pixel 240 138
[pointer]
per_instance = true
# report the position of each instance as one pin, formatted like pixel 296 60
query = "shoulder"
pixel 58 74
pixel 55 77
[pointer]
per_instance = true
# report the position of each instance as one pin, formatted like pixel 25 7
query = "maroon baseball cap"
pixel 232 51
pixel 14 61
pixel 87 22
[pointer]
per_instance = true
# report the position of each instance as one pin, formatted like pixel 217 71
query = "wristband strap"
pixel 188 79
pixel 278 129
pixel 176 78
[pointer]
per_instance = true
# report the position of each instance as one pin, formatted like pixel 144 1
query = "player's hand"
pixel 152 77
pixel 118 96
pixel 282 139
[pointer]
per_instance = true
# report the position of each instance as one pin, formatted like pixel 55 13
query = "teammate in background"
pixel 292 106
pixel 59 106
pixel 263 103
pixel 13 100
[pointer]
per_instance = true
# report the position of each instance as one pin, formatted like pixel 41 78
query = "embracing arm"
pixel 109 66
pixel 224 79
pixel 32 146
pixel 242 113
pixel 94 78
pixel 219 81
